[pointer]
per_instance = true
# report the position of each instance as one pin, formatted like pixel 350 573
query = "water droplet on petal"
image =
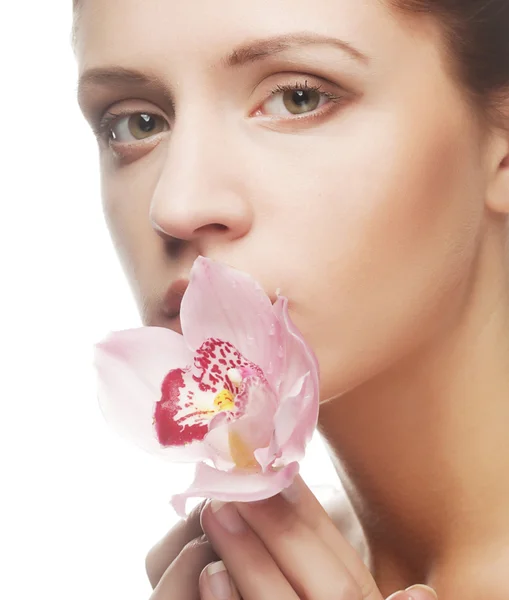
pixel 250 339
pixel 270 368
pixel 281 352
pixel 272 330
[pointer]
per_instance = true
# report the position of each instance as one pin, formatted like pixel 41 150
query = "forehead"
pixel 199 32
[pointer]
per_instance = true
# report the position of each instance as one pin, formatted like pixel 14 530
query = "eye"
pixel 297 99
pixel 132 127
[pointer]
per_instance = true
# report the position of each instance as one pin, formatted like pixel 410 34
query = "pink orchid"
pixel 237 393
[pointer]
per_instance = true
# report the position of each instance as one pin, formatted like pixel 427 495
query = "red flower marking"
pixel 170 430
pixel 176 420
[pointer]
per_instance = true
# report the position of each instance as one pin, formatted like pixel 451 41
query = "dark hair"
pixel 475 36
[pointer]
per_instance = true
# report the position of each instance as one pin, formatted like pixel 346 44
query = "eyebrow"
pixel 262 48
pixel 247 53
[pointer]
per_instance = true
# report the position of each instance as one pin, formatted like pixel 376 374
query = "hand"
pixel 287 548
pixel 174 564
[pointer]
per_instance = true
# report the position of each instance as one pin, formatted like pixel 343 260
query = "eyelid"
pixel 292 81
pixel 110 119
pixel 297 85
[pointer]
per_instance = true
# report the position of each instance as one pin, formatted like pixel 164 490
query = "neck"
pixel 422 450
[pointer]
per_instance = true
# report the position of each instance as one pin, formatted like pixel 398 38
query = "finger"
pixel 162 554
pixel 253 569
pixel 180 580
pixel 290 546
pixel 305 504
pixel 216 583
pixel 291 530
pixel 422 592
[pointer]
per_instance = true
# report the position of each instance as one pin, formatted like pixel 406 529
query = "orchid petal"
pixel 291 431
pixel 235 486
pixel 130 366
pixel 233 441
pixel 227 304
pixel 296 419
pixel 239 390
pixel 150 352
pixel 266 456
pixel 218 444
pixel 193 396
pixel 300 358
pixel 179 420
pixel 301 365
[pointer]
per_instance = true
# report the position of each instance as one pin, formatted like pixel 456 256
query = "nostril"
pixel 212 227
pixel 174 246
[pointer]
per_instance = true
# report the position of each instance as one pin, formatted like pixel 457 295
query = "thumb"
pixel 422 592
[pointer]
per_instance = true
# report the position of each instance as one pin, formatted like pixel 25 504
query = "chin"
pixel 162 320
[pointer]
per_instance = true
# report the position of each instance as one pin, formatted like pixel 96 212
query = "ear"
pixel 497 193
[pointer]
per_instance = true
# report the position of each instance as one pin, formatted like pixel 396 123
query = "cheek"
pixel 378 255
pixel 126 204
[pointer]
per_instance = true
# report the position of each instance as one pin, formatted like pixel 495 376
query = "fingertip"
pixel 203 511
pixel 216 583
pixel 293 493
pixel 422 592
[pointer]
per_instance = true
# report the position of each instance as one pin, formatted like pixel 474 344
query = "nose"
pixel 200 190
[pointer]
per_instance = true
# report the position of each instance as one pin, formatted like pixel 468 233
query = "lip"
pixel 174 324
pixel 173 297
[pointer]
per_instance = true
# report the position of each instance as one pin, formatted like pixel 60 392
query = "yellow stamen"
pixel 225 400
pixel 242 456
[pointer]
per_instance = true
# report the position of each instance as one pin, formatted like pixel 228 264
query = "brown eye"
pixel 298 99
pixel 139 126
pixel 144 125
pixel 301 101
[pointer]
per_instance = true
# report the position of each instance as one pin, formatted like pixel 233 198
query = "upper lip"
pixel 173 297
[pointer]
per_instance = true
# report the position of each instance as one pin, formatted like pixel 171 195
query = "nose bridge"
pixel 192 156
pixel 197 180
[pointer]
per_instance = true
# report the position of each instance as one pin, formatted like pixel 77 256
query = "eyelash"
pixel 103 129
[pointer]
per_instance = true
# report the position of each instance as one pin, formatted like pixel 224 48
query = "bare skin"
pixel 186 550
pixel 379 211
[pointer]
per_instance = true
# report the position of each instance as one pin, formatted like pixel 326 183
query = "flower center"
pixel 242 455
pixel 225 400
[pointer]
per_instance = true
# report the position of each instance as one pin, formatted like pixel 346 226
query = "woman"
pixel 356 156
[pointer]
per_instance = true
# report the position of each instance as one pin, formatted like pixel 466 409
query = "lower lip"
pixel 171 312
pixel 172 301
pixel 171 315
pixel 175 324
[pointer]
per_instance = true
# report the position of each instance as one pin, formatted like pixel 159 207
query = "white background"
pixel 79 508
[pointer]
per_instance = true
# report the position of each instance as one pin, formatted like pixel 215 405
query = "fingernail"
pixel 228 516
pixel 219 581
pixel 401 595
pixel 292 493
pixel 422 592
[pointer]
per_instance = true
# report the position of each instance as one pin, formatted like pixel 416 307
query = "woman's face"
pixel 361 201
